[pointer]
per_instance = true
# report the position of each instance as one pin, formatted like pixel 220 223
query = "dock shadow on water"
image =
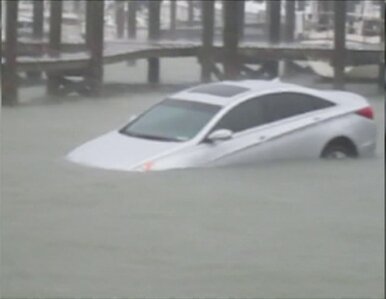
pixel 289 229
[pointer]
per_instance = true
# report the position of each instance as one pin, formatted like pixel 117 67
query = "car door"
pixel 294 124
pixel 245 121
pixel 266 128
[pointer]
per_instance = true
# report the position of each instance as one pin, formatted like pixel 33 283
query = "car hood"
pixel 120 152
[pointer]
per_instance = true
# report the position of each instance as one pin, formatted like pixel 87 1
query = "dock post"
pixel 132 19
pixel 119 18
pixel 381 71
pixel 94 42
pixel 55 37
pixel 190 12
pixel 38 18
pixel 76 6
pixel 173 17
pixel 231 39
pixel 207 12
pixel 339 43
pixel 289 29
pixel 241 18
pixel 9 74
pixel 37 31
pixel 154 35
pixel 273 30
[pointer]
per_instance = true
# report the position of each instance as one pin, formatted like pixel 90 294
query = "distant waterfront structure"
pixel 227 37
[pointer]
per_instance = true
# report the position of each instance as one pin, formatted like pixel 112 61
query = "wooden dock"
pixel 59 60
pixel 76 57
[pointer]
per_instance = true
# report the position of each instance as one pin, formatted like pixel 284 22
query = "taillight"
pixel 366 112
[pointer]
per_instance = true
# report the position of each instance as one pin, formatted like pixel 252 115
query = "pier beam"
pixel 9 74
pixel 132 19
pixel 231 38
pixel 207 12
pixel 339 43
pixel 120 17
pixel 273 30
pixel 154 35
pixel 94 42
pixel 54 44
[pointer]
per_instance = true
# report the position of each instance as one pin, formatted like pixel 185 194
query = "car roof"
pixel 225 93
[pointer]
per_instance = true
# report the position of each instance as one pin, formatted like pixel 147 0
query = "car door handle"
pixel 317 118
pixel 261 138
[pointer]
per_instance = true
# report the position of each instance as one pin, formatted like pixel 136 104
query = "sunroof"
pixel 220 90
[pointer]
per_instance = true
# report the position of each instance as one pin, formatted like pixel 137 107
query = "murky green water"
pixel 294 229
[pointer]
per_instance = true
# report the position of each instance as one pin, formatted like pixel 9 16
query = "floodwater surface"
pixel 299 229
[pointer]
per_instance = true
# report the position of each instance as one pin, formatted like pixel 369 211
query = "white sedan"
pixel 237 122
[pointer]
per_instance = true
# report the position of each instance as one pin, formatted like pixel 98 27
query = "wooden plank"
pixel 339 43
pixel 9 74
pixel 207 12
pixel 54 43
pixel 153 73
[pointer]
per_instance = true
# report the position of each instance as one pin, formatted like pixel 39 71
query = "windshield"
pixel 172 120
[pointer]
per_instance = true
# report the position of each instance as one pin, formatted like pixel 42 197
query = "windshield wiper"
pixel 151 137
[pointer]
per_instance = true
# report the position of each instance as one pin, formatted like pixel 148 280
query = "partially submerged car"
pixel 237 122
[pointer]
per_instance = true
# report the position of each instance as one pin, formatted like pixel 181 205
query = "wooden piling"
pixel 241 18
pixel 289 31
pixel 76 6
pixel 207 12
pixel 94 42
pixel 289 28
pixel 339 43
pixel 54 43
pixel 190 12
pixel 231 39
pixel 273 31
pixel 173 17
pixel 120 18
pixel 9 74
pixel 381 70
pixel 37 31
pixel 154 35
pixel 38 18
pixel 132 19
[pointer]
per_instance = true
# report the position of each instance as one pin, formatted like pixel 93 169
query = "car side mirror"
pixel 219 135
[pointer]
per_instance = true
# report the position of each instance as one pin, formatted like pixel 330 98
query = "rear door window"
pixel 283 105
